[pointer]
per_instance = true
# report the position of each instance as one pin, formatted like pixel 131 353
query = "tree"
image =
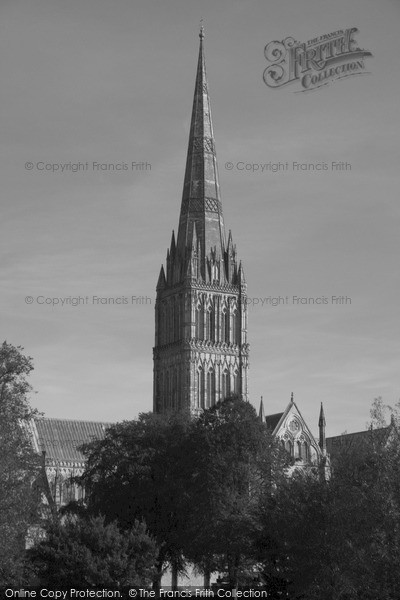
pixel 236 463
pixel 379 414
pixel 339 540
pixel 198 484
pixel 88 552
pixel 138 472
pixel 19 464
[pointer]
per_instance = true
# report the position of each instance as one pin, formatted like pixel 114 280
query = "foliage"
pixel 88 552
pixel 380 412
pixel 196 483
pixel 339 539
pixel 19 464
pixel 213 491
pixel 138 472
pixel 235 464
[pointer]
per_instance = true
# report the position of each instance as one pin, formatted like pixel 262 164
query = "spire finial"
pixel 201 34
pixel 291 398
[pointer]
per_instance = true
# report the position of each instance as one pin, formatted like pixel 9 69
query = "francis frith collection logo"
pixel 315 63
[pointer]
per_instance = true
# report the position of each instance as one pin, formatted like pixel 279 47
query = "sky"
pixel 95 81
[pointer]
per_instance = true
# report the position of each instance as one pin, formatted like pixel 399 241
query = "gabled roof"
pixel 358 439
pixel 273 420
pixel 278 422
pixel 61 438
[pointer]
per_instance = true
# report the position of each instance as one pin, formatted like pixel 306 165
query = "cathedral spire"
pixel 322 425
pixel 201 202
pixel 201 350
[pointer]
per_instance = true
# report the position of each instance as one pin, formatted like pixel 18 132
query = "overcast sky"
pixel 112 82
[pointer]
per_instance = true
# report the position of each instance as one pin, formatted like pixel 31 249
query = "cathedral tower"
pixel 201 350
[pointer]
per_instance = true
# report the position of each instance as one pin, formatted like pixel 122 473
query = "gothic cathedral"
pixel 201 350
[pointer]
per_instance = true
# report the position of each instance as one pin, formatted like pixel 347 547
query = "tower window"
pixel 200 388
pixel 210 388
pixel 235 336
pixel 210 325
pixel 225 327
pixel 226 384
pixel 236 382
pixel 200 322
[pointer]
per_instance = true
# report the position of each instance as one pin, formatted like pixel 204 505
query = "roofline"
pixel 273 415
pixel 390 426
pixel 73 420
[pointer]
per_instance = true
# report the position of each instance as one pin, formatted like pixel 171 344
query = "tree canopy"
pixel 197 483
pixel 90 553
pixel 19 465
pixel 339 539
pixel 235 465
pixel 138 472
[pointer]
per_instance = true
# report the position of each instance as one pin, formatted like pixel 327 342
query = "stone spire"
pixel 322 425
pixel 201 202
pixel 201 350
pixel 261 413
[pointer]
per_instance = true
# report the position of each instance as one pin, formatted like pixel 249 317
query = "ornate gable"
pixel 297 438
pixel 292 431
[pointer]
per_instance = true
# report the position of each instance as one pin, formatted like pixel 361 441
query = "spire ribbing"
pixel 201 202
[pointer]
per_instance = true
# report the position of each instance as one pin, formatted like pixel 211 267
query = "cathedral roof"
pixel 357 440
pixel 273 420
pixel 61 438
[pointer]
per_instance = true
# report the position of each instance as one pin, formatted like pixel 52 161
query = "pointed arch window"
pixel 236 382
pixel 210 388
pixel 298 450
pixel 226 384
pixel 305 451
pixel 288 447
pixel 200 388
pixel 80 492
pixel 66 491
pixel 210 324
pixel 225 326
pixel 200 322
pixel 235 327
